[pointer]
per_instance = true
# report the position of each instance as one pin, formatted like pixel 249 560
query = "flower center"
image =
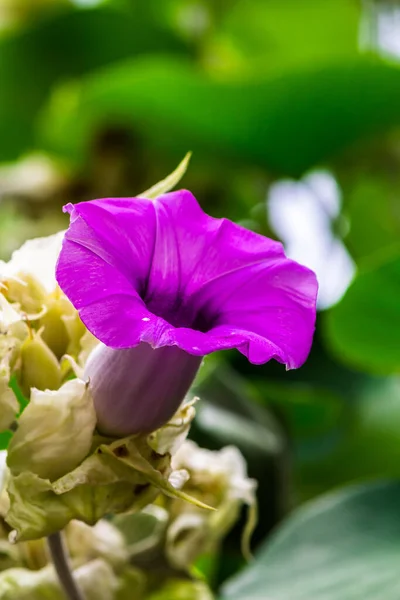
pixel 180 313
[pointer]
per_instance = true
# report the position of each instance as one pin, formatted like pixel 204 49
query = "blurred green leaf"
pixel 5 438
pixel 181 589
pixel 226 427
pixel 343 546
pixel 143 531
pixel 371 205
pixel 230 414
pixel 62 46
pixel 363 328
pixel 309 410
pixel 286 123
pixel 365 445
pixel 269 31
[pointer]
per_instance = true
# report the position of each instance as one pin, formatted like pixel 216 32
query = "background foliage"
pixel 292 111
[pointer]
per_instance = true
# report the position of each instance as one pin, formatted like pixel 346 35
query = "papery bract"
pixel 221 477
pixel 96 578
pixel 102 540
pixel 115 477
pixel 54 432
pixel 36 260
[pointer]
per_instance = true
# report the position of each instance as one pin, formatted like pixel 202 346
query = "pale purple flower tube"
pixel 164 273
pixel 160 378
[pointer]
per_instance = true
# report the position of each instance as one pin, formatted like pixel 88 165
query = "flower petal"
pixel 261 302
pixel 165 273
pixel 269 306
pixel 208 247
pixel 108 303
pixel 119 230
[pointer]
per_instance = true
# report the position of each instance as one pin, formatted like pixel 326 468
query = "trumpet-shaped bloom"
pixel 165 273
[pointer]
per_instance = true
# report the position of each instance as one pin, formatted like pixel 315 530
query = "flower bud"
pixel 60 324
pixel 137 390
pixel 52 325
pixel 39 366
pixel 27 292
pixel 8 402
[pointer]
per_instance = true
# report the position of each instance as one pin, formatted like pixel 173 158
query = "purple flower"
pixel 165 273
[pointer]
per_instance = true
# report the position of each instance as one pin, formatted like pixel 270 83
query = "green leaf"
pixel 310 410
pixel 371 206
pixel 5 438
pixel 62 46
pixel 227 427
pixel 269 31
pixel 143 531
pixel 363 328
pixel 256 120
pixel 342 546
pixel 364 445
pixel 227 414
pixel 183 590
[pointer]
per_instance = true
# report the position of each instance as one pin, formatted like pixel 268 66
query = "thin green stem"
pixel 61 563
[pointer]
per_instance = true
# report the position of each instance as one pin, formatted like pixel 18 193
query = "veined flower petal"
pixel 165 273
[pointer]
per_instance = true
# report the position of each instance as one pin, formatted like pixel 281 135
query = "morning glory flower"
pixel 162 275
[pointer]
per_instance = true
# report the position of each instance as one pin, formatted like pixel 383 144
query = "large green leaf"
pixel 345 546
pixel 286 123
pixel 65 45
pixel 371 206
pixel 310 411
pixel 365 443
pixel 270 31
pixel 363 329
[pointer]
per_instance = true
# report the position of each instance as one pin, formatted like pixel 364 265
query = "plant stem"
pixel 61 563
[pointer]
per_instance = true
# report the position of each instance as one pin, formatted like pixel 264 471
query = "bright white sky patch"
pixel 87 2
pixel 380 27
pixel 301 213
